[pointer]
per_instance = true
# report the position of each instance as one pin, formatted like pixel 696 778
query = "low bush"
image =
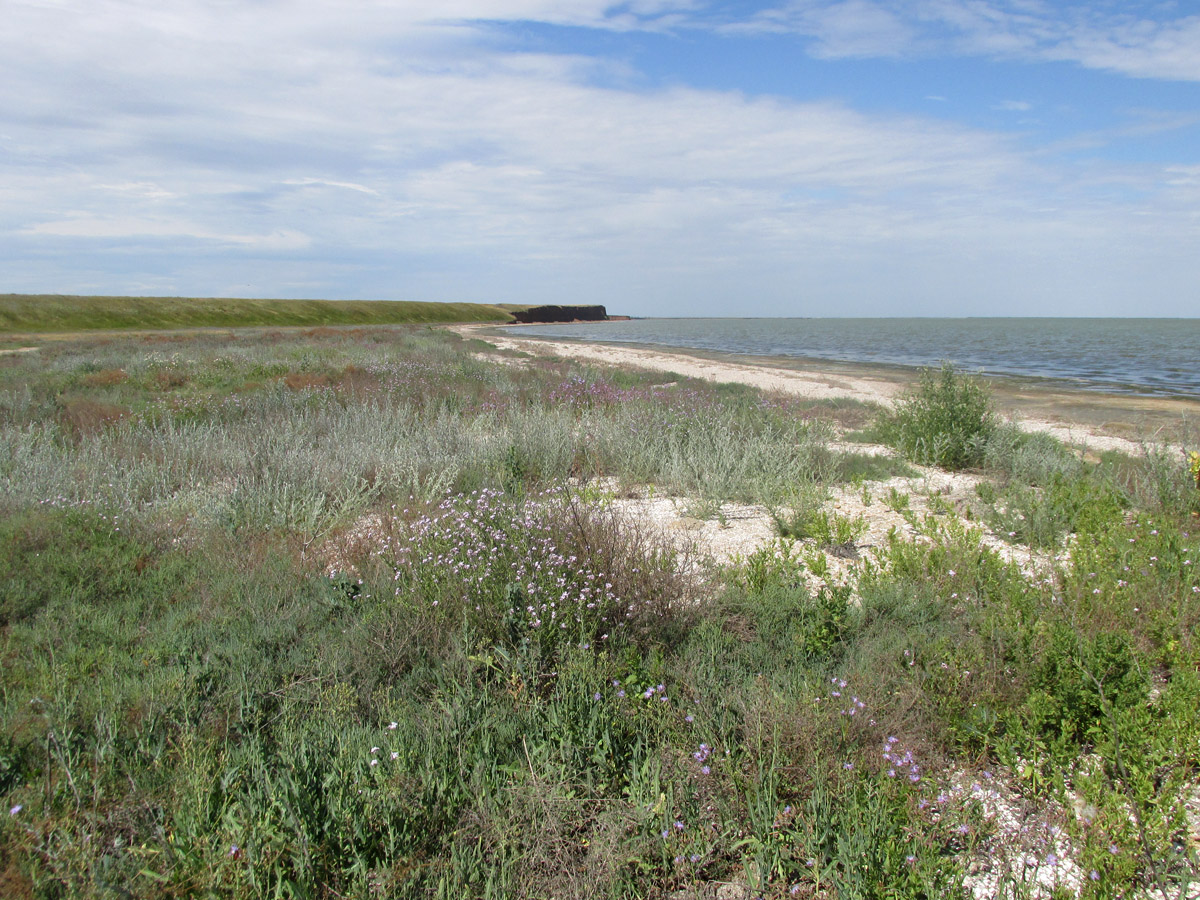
pixel 946 420
pixel 1043 517
pixel 531 576
pixel 1029 459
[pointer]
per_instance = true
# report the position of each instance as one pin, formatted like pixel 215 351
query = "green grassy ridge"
pixel 41 313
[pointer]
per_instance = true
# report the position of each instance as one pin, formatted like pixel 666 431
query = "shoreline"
pixel 1096 420
pixel 1092 382
pixel 888 369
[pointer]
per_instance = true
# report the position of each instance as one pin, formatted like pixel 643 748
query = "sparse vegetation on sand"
pixel 51 313
pixel 357 613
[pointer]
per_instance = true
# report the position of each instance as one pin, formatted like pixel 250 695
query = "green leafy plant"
pixel 826 620
pixel 816 561
pixel 836 532
pixel 774 563
pixel 945 420
pixel 793 518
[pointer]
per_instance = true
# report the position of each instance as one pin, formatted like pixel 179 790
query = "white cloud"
pixel 87 225
pixel 1142 48
pixel 1187 176
pixel 144 189
pixel 846 28
pixel 322 182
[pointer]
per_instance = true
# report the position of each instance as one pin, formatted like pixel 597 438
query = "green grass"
pixel 345 614
pixel 48 313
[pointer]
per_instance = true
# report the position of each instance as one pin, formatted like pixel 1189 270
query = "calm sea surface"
pixel 1158 356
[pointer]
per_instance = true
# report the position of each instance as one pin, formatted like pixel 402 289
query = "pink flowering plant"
pixel 548 571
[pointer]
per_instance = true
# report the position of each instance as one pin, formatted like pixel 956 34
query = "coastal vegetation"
pixel 945 420
pixel 357 612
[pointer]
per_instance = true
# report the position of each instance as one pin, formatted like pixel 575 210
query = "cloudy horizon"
pixel 665 157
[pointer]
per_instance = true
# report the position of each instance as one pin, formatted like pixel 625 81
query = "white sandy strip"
pixel 813 385
pixel 809 384
pixel 1079 436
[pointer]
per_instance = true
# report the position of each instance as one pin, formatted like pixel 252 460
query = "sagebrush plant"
pixel 946 420
pixel 1042 517
pixel 1158 481
pixel 1029 459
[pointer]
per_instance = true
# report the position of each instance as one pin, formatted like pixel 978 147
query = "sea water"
pixel 1153 356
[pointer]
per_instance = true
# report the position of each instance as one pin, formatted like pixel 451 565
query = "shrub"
pixel 1158 481
pixel 541 572
pixel 1077 678
pixel 945 420
pixel 1029 458
pixel 1043 517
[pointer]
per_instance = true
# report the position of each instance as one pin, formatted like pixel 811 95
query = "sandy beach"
pixel 1091 420
pixel 809 384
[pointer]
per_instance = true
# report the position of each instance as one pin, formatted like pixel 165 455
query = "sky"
pixel 661 157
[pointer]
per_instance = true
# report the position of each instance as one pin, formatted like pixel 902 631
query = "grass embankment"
pixel 505 690
pixel 53 313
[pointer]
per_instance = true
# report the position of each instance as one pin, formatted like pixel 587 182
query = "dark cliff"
pixel 544 314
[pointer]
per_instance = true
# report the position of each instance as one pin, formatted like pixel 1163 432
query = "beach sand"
pixel 1094 421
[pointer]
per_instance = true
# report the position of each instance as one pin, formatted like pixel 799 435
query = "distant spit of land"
pixel 58 313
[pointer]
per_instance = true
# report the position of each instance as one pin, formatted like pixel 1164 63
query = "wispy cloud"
pixel 1132 41
pixel 322 182
pixel 846 28
pixel 86 225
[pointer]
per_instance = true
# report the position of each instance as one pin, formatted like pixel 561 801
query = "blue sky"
pixel 663 157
